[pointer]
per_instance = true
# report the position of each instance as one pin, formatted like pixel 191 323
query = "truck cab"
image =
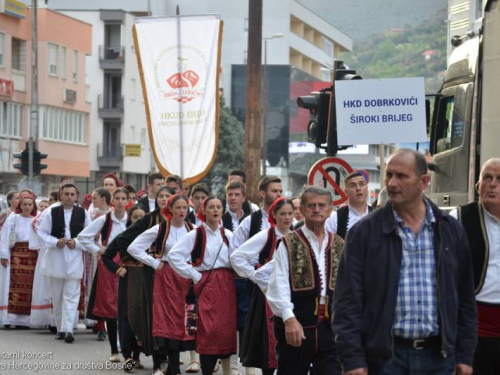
pixel 465 127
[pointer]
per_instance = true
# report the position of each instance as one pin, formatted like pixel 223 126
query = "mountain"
pixel 362 18
pixel 417 51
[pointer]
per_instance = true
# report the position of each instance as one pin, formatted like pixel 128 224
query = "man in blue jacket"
pixel 404 297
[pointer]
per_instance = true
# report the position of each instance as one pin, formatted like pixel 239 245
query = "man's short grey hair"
pixel 314 190
pixel 487 163
pixel 421 167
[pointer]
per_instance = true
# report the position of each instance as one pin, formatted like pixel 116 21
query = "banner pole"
pixel 179 69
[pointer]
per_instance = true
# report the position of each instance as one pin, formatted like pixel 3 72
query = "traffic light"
pixel 318 104
pixel 37 158
pixel 341 73
pixel 322 126
pixel 24 165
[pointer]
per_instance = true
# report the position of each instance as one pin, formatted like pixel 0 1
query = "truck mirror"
pixel 428 114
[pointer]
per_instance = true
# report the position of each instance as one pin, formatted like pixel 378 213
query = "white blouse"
pixel 246 257
pixel 138 249
pixel 88 235
pixel 21 226
pixel 179 256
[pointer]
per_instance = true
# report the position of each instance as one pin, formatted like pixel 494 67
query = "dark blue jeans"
pixel 415 362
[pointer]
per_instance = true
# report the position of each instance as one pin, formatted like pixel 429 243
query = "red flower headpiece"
pixel 23 196
pixel 271 219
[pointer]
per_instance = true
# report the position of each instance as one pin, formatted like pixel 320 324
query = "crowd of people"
pixel 286 285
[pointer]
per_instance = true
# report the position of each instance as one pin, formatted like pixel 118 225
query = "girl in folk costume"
pixel 102 304
pixel 169 289
pixel 18 263
pixel 128 343
pixel 257 349
pixel 101 205
pixel 203 257
pixel 140 285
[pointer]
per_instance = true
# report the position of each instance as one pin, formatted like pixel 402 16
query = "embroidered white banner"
pixel 179 59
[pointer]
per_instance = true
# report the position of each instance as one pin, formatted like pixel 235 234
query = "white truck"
pixel 465 128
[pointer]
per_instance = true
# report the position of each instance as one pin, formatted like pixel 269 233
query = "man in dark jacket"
pixel 404 297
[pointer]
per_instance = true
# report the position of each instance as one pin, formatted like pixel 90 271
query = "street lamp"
pixel 264 112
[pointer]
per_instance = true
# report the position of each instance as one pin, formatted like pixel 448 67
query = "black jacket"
pixel 368 282
pixel 144 202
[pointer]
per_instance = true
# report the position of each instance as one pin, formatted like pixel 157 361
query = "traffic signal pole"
pixel 33 133
pixel 254 101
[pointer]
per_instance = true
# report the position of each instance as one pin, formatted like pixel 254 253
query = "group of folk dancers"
pixel 167 274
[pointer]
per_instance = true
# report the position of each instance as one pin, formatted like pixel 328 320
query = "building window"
pixel 2 54
pixel 11 119
pixel 75 66
pixel 246 24
pixel 132 89
pixel 18 54
pixel 53 52
pixel 63 125
pixel 328 46
pixel 64 63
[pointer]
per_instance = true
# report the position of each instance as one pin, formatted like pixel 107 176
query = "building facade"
pixel 463 17
pixel 63 112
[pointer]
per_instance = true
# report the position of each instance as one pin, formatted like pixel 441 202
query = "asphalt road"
pixel 35 351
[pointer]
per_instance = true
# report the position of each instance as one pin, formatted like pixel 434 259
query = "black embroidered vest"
pixel 106 229
pixel 255 223
pixel 304 277
pixel 198 252
pixel 76 223
pixel 227 220
pixel 343 220
pixel 267 252
pixel 472 218
pixel 161 239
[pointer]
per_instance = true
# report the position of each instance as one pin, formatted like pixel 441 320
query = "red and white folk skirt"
pixel 169 296
pixel 216 333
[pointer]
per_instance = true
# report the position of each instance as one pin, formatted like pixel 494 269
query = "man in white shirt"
pixel 155 182
pixel 240 176
pixel 270 189
pixel 300 288
pixel 481 221
pixel 356 189
pixel 235 196
pixel 63 262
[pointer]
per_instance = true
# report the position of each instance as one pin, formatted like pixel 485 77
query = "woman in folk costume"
pixel 128 343
pixel 41 312
pixel 203 257
pixel 102 304
pixel 140 285
pixel 169 289
pixel 257 349
pixel 18 263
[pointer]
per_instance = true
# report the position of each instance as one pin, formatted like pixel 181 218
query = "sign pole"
pixel 33 133
pixel 381 151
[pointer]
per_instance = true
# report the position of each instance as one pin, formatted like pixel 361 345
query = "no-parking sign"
pixel 330 173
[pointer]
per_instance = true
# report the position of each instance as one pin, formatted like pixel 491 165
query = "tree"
pixel 230 150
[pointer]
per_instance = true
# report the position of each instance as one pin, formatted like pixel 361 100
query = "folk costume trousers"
pixel 65 298
pixel 317 350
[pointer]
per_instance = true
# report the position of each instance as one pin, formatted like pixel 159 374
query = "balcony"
pixel 110 107
pixel 110 157
pixel 111 57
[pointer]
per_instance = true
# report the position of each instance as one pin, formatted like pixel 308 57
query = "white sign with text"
pixel 380 111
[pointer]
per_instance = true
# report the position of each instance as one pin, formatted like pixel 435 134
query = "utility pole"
pixel 33 133
pixel 254 101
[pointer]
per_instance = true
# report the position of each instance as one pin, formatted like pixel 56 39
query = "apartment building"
pixel 63 43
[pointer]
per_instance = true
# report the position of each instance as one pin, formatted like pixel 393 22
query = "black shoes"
pixel 60 335
pixel 101 335
pixel 69 338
